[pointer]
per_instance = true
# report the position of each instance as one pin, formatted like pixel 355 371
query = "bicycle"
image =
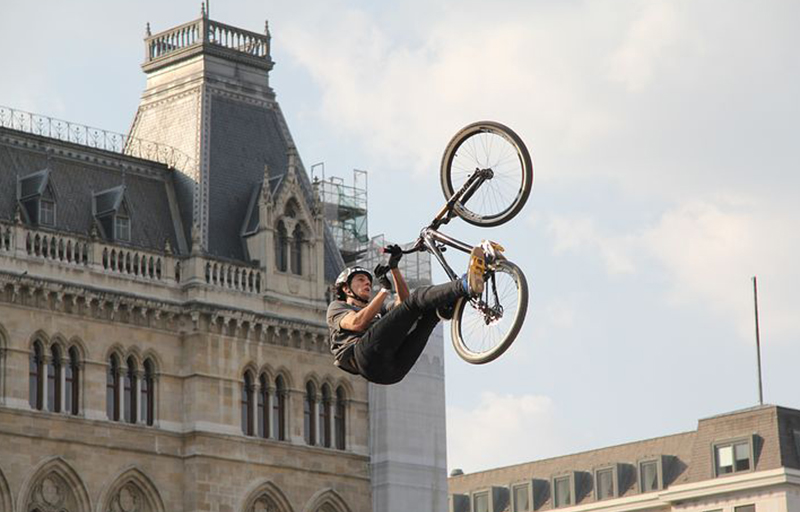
pixel 486 176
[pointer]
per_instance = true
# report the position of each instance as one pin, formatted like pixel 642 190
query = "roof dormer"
pixel 37 198
pixel 113 214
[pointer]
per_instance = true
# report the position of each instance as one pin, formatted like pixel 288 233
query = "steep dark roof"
pixel 76 173
pixel 243 140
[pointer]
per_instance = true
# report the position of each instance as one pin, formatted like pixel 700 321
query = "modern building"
pixel 163 344
pixel 743 461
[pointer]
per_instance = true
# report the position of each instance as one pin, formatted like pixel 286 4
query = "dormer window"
pixel 113 214
pixel 47 212
pixel 37 198
pixel 122 228
pixel 733 456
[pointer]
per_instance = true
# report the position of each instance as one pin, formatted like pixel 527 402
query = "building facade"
pixel 743 461
pixel 162 295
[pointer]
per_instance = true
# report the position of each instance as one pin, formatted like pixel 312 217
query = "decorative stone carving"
pixel 51 494
pixel 128 499
pixel 264 504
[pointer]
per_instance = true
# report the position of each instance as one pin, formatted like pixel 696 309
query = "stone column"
pixel 62 377
pixel 137 416
pixel 120 393
pixel 268 419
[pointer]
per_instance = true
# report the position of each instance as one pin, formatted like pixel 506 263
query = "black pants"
pixel 387 351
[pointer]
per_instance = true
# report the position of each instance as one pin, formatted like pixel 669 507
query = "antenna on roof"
pixel 758 342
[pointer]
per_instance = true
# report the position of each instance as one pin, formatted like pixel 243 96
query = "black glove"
pixel 382 275
pixel 395 252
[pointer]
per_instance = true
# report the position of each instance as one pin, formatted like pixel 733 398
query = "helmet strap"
pixel 349 293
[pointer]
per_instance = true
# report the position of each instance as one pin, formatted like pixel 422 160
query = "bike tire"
pixel 500 199
pixel 466 333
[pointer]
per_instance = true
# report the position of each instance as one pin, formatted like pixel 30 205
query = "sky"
pixel 665 143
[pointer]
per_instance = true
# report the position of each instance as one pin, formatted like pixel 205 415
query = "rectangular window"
pixel 562 491
pixel 732 457
pixel 122 228
pixel 605 483
pixel 745 508
pixel 521 497
pixel 648 473
pixel 47 212
pixel 480 502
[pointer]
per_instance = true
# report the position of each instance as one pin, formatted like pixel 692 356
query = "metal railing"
pixel 83 135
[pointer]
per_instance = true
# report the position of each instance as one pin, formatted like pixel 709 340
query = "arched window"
pixel 298 240
pixel 279 410
pixel 262 417
pixel 339 418
pixel 309 414
pixel 54 380
pixel 112 389
pixel 281 248
pixel 146 396
pixel 325 417
pixel 71 380
pixel 247 404
pixel 130 391
pixel 35 380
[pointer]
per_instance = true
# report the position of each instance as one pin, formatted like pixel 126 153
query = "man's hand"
pixel 395 252
pixel 381 274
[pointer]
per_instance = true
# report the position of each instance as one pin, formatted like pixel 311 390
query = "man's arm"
pixel 358 321
pixel 400 284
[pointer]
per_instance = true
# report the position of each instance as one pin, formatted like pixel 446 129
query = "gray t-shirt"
pixel 343 341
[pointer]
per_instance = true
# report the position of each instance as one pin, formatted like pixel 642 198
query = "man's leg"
pixel 386 356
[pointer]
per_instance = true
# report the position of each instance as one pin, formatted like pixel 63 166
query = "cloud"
pixel 649 37
pixel 710 250
pixel 705 251
pixel 502 430
pixel 581 233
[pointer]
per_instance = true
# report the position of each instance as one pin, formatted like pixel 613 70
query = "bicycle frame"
pixel 433 240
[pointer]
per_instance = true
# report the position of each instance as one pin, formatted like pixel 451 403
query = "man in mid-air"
pixel 382 342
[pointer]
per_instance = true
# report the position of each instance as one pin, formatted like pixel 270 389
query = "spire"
pixel 265 186
pixel 196 249
pixel 203 13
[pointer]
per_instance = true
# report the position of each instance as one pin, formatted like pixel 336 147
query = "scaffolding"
pixel 345 210
pixel 415 267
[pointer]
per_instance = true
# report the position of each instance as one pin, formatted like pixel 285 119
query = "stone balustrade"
pixel 206 31
pixel 20 241
pixel 133 262
pixel 233 277
pixel 56 247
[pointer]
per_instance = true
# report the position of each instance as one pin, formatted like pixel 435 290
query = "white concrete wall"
pixel 408 448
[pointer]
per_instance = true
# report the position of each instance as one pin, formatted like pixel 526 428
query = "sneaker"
pixel 445 312
pixel 477 266
pixel 493 251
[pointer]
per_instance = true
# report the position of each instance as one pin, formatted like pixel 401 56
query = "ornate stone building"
pixel 162 297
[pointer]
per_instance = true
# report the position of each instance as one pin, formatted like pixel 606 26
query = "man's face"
pixel 361 286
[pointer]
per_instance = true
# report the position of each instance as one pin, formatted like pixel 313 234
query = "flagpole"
pixel 758 342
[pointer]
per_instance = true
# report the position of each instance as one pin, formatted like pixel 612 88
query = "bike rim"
pixel 489 149
pixel 478 337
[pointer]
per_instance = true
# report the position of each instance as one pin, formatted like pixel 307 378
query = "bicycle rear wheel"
pixel 488 145
pixel 483 328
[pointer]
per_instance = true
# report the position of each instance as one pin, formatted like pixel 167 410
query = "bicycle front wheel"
pixel 483 328
pixel 488 145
